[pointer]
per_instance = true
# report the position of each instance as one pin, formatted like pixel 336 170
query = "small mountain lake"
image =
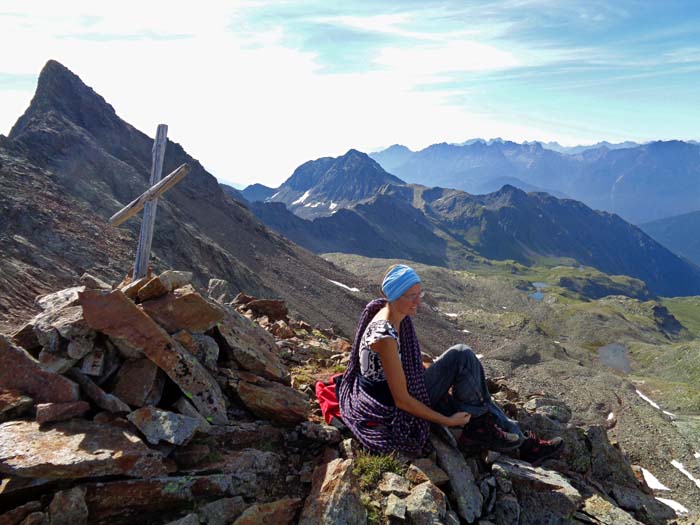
pixel 615 356
pixel 538 295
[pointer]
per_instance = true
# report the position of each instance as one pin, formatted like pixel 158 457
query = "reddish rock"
pixel 36 518
pixel 274 309
pixel 101 398
pixel 26 338
pixel 242 298
pixel 115 315
pixel 253 348
pixel 131 289
pixel 139 382
pixel 68 507
pixel 281 330
pixel 340 346
pixel 165 282
pixel 334 497
pixel 18 514
pixel 160 425
pixel 280 512
pixel 13 404
pixel 140 497
pixel 183 309
pixel 275 402
pixel 58 363
pixel 20 371
pixel 47 412
pixel 74 449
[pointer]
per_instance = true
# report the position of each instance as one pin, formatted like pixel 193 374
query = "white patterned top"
pixel 370 363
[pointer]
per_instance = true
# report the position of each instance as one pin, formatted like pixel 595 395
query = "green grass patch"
pixel 370 468
pixel 686 310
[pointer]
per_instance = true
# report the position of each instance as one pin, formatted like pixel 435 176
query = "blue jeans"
pixel 458 368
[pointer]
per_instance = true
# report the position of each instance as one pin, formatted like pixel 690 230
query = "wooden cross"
pixel 149 201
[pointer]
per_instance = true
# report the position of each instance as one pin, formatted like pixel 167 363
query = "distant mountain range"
pixel 382 216
pixel 640 183
pixel 679 234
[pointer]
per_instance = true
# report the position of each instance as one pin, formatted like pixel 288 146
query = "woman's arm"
pixel 393 371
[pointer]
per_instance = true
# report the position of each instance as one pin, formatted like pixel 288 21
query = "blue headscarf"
pixel 399 279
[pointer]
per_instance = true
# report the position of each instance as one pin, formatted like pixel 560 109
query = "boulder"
pixel 115 315
pixel 273 309
pixel 392 483
pixel 395 507
pixel 319 432
pixel 48 412
pixel 544 496
pixel 160 425
pixel 281 330
pixel 464 490
pixel 165 282
pixel 13 404
pixel 600 511
pixel 183 309
pixel 273 401
pixel 18 514
pixel 143 498
pixel 26 338
pixel 20 371
pixel 280 512
pixel 94 283
pixel 68 507
pixel 222 511
pixel 423 469
pixel 74 449
pixel 203 347
pixel 426 504
pixel 334 496
pixel 251 347
pixel 132 288
pixel 59 299
pixel 101 398
pixel 185 408
pixel 139 383
pixel 67 323
pixel 220 291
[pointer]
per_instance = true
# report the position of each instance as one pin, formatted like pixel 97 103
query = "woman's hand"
pixel 458 419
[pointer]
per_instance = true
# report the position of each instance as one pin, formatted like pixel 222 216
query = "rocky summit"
pixel 70 162
pixel 203 413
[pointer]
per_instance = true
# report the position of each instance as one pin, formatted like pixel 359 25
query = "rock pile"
pixel 152 403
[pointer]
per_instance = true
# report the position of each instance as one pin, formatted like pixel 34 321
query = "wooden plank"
pixel 156 191
pixel 143 252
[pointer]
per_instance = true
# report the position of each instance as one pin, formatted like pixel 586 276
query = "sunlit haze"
pixel 253 89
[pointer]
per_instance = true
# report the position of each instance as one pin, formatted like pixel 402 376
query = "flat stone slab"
pixel 160 425
pixel 164 283
pixel 139 383
pixel 466 492
pixel 115 315
pixel 74 449
pixel 139 497
pixel 252 347
pixel 183 309
pixel 20 371
pixel 280 512
pixel 49 412
pixel 334 497
pixel 273 401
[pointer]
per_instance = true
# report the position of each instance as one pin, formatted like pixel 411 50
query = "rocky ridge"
pixel 152 403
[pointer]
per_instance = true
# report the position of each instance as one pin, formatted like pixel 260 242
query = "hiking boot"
pixel 482 432
pixel 535 450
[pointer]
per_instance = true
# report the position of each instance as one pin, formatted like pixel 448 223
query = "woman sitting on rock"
pixel 388 399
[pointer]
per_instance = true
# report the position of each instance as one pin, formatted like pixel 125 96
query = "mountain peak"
pixel 62 91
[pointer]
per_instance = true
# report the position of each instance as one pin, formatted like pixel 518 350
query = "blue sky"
pixel 255 88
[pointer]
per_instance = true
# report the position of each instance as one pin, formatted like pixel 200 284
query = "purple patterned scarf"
pixel 395 430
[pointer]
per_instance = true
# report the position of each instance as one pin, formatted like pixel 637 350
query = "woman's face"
pixel 408 303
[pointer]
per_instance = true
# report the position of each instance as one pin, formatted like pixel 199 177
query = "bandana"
pixel 398 280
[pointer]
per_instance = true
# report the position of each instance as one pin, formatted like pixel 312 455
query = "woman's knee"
pixel 460 353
